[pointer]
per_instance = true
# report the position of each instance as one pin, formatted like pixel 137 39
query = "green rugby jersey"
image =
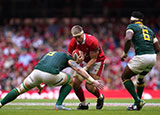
pixel 142 39
pixel 53 62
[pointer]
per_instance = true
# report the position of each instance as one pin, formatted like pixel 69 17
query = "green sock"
pixel 64 91
pixel 130 87
pixel 140 88
pixel 10 96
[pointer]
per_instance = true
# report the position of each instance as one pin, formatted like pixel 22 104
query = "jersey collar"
pixel 139 23
pixel 84 39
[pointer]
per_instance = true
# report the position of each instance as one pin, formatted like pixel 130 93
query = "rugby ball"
pixel 75 54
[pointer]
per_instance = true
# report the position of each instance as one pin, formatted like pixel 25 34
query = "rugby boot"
pixel 62 107
pixel 83 107
pixel 100 102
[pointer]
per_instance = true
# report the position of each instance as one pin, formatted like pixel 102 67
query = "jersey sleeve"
pixel 94 46
pixel 130 27
pixel 71 47
pixel 69 57
pixel 153 35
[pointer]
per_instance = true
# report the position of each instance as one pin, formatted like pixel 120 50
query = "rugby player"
pixel 146 45
pixel 94 64
pixel 49 71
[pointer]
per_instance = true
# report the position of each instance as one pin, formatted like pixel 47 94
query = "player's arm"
pixel 156 45
pixel 80 70
pixel 84 74
pixel 127 44
pixel 128 38
pixel 71 47
pixel 93 55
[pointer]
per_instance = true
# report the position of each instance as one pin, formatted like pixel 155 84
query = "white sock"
pixel 101 96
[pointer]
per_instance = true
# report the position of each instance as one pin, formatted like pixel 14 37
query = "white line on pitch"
pixel 74 104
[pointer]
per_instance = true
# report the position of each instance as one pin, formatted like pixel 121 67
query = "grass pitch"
pixel 46 107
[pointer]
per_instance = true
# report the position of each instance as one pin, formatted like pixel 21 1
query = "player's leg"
pixel 140 83
pixel 137 65
pixel 148 62
pixel 126 78
pixel 95 91
pixel 95 71
pixel 64 90
pixel 77 81
pixel 61 79
pixel 14 93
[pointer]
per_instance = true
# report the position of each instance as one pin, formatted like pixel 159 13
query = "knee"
pixel 25 86
pixel 89 87
pixel 21 89
pixel 76 84
pixel 126 76
pixel 123 78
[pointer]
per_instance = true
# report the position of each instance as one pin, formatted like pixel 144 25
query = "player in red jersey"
pixel 94 64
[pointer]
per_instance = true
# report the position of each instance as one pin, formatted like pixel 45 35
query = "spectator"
pixel 38 36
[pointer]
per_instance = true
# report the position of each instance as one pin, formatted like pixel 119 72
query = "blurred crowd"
pixel 24 41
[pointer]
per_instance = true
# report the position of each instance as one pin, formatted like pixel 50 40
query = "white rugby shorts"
pixel 140 63
pixel 96 68
pixel 37 77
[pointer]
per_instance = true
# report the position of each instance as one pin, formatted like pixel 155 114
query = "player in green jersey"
pixel 146 45
pixel 49 71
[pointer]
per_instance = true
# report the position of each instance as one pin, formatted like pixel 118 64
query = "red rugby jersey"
pixel 90 43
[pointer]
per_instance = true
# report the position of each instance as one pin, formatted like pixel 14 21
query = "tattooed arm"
pixel 82 72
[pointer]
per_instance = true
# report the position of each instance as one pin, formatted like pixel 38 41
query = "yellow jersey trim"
pixel 126 80
pixel 139 23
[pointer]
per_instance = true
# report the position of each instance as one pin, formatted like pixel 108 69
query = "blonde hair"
pixel 77 30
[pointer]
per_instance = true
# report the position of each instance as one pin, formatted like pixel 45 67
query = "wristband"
pixel 85 68
pixel 90 79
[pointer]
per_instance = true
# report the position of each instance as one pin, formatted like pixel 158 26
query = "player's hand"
pixel 40 87
pixel 98 84
pixel 80 59
pixel 123 56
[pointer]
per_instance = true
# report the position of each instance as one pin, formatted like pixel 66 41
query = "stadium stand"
pixel 25 40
